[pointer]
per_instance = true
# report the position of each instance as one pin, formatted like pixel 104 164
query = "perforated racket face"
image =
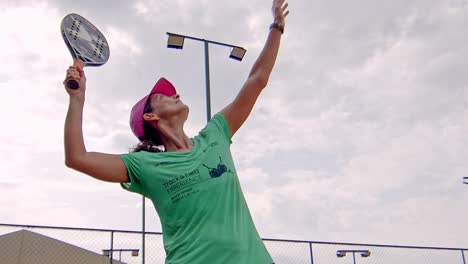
pixel 84 40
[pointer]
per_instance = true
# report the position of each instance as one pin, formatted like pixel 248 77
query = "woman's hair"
pixel 151 142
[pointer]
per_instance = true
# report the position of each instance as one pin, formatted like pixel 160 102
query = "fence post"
pixel 111 247
pixel 463 256
pixel 311 255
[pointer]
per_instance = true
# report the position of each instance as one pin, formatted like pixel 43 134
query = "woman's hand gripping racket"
pixel 86 43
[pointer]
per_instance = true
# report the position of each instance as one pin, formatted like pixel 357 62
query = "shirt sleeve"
pixel 219 123
pixel 133 163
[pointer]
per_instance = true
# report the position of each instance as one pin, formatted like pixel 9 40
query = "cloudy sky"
pixel 360 135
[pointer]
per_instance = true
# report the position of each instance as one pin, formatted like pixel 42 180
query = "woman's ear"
pixel 150 117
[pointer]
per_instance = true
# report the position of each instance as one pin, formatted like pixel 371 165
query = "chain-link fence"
pixel 53 245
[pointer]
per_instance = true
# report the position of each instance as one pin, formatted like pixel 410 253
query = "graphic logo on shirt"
pixel 217 171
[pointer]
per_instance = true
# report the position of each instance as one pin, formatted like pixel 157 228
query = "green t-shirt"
pixel 197 195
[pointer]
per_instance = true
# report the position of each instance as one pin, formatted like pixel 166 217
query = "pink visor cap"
pixel 162 86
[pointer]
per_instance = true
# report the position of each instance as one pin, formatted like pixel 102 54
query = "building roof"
pixel 26 247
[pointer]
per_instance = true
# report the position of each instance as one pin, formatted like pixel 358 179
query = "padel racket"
pixel 86 43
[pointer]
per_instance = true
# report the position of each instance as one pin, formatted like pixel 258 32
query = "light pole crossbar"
pixel 204 40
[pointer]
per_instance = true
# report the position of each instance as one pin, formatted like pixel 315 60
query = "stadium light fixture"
pixel 108 252
pixel 175 41
pixel 237 53
pixel 342 253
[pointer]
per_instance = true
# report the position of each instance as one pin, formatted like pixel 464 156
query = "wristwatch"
pixel 278 26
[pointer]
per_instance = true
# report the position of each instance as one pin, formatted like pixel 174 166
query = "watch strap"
pixel 277 26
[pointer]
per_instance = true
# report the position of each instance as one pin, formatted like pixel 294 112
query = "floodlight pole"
pixel 207 63
pixel 207 81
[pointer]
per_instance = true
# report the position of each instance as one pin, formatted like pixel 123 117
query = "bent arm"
pixel 237 112
pixel 106 167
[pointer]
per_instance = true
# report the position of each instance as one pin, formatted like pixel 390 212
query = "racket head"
pixel 84 41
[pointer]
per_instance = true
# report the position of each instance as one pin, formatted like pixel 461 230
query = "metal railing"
pixel 86 245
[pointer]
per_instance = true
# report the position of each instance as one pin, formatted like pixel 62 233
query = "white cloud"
pixel 123 43
pixel 141 8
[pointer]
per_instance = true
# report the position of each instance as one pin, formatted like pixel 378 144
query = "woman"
pixel 191 181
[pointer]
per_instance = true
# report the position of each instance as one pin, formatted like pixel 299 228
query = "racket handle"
pixel 74 83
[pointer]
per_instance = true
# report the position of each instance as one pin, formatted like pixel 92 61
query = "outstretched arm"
pixel 237 112
pixel 106 167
